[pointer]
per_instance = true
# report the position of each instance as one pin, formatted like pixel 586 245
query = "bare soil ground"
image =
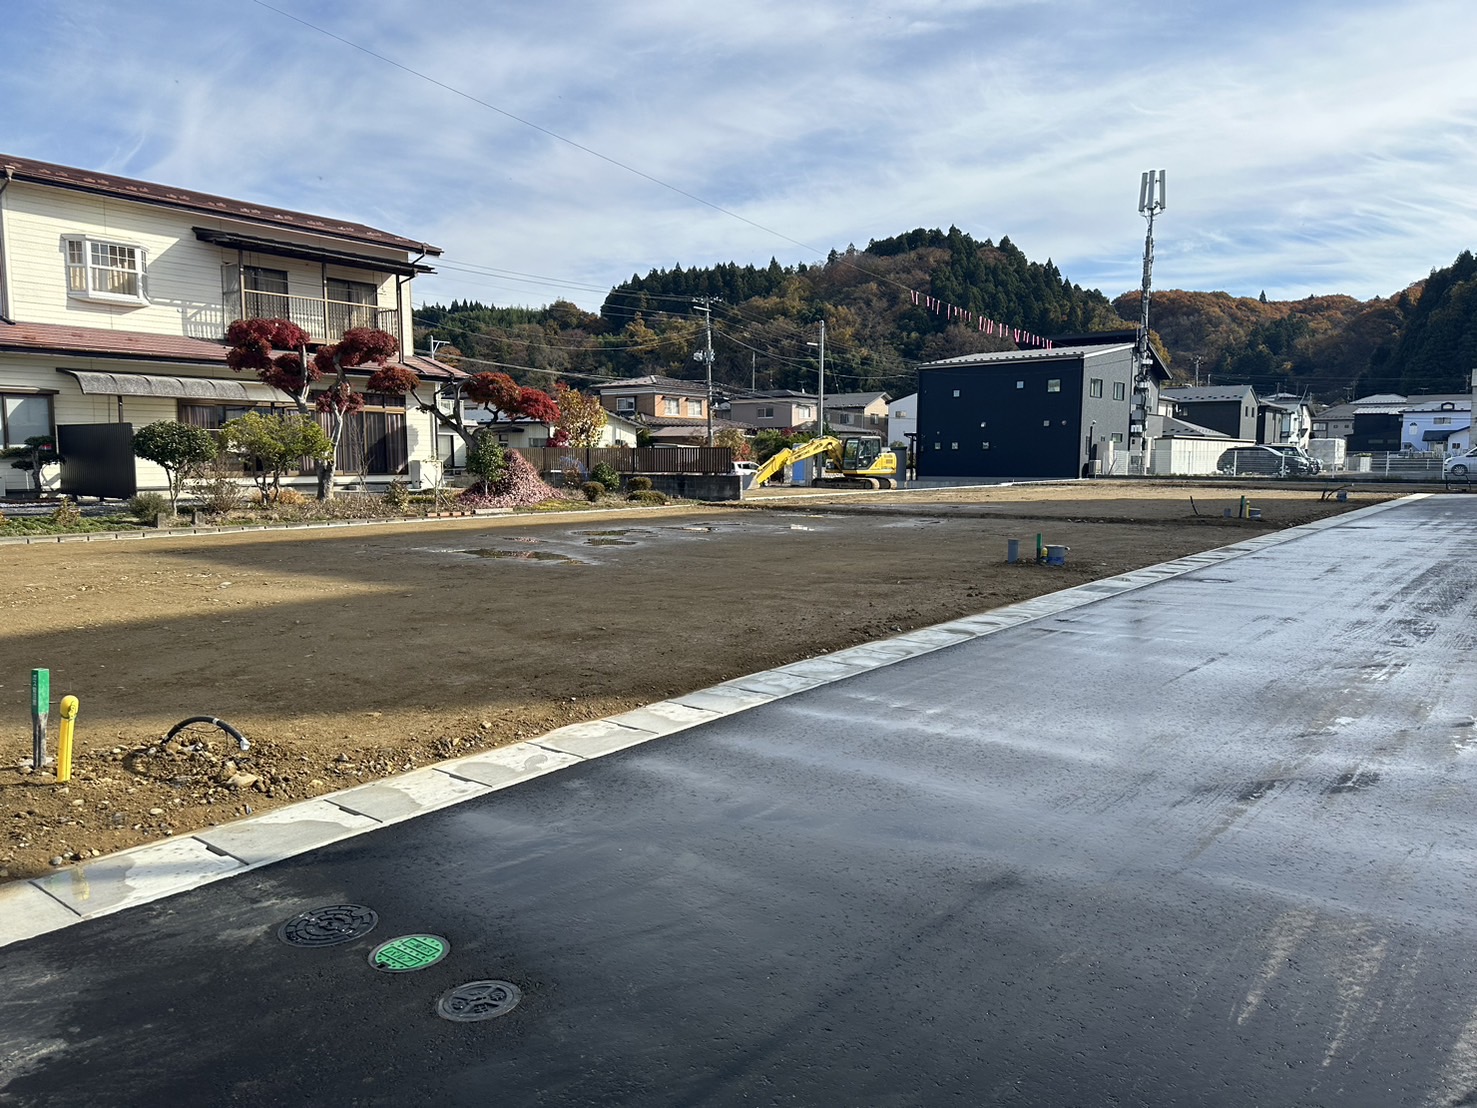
pixel 350 655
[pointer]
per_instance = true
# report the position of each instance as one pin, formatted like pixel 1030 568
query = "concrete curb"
pixel 150 872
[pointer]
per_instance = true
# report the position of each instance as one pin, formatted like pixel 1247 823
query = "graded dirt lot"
pixel 346 655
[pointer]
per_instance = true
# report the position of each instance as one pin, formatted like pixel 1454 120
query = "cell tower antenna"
pixel 1151 203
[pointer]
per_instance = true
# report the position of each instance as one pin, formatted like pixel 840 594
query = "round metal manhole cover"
pixel 478 1000
pixel 329 925
pixel 409 952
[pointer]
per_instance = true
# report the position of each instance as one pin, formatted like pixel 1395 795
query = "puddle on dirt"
pixel 609 542
pixel 618 533
pixel 523 555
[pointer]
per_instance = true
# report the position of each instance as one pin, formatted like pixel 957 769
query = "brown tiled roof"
pixel 101 342
pixel 85 180
pixel 140 346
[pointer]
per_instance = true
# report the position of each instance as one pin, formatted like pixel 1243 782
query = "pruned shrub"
pixel 67 514
pixel 639 484
pixel 593 490
pixel 605 473
pixel 218 487
pixel 572 476
pixel 147 506
pixel 397 496
pixel 646 496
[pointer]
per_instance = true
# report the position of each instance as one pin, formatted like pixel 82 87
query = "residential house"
pixel 774 408
pixel 1440 422
pixel 849 412
pixel 1284 420
pixel 1229 409
pixel 902 420
pixel 1337 421
pixel 1058 412
pixel 114 299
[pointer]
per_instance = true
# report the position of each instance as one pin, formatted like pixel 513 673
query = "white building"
pixel 114 299
pixel 1439 422
pixel 902 420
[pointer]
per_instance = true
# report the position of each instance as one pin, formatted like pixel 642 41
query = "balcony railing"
pixel 325 320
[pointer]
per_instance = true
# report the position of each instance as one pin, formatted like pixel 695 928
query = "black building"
pixel 1030 413
pixel 1229 409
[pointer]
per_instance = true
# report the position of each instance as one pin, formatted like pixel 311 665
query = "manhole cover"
pixel 478 1000
pixel 409 952
pixel 328 926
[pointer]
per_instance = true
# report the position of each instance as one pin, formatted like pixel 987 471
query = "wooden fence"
pixel 628 460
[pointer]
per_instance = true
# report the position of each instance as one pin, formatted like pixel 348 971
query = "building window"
pixel 1116 436
pixel 1046 423
pixel 803 412
pixel 899 414
pixel 984 446
pixel 1120 390
pixel 694 407
pixel 953 446
pixel 1441 420
pixel 1095 387
pixel 956 392
pixel 763 413
pixel 625 403
pixel 351 304
pixel 23 417
pixel 1020 384
pixel 265 295
pixel 109 271
pixel 671 407
pixel 1054 385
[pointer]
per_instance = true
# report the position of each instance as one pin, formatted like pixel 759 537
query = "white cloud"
pixel 1311 147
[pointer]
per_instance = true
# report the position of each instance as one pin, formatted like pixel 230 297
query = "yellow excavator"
pixel 855 462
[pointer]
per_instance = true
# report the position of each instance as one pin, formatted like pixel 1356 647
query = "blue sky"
pixel 1310 147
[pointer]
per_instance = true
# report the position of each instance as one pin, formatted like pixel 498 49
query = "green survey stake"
pixel 40 708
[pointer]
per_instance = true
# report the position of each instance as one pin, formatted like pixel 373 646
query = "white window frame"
pixel 83 270
pixel 625 404
pixel 671 406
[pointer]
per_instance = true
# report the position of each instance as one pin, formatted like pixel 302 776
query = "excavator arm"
pixel 827 445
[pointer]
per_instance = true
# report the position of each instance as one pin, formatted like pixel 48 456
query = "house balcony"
pixel 325 320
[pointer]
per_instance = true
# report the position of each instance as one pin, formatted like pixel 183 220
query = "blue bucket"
pixel 1056 555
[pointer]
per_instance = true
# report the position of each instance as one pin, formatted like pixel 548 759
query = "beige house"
pixel 857 411
pixel 114 299
pixel 777 408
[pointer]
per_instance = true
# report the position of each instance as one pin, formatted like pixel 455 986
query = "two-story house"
pixel 1438 421
pixel 857 411
pixel 668 410
pixel 774 408
pixel 115 295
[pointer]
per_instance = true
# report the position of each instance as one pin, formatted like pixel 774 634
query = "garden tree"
pixel 735 440
pixel 276 350
pixel 274 445
pixel 35 454
pixel 487 461
pixel 177 448
pixel 581 417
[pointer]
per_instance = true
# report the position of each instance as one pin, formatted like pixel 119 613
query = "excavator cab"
pixel 859 452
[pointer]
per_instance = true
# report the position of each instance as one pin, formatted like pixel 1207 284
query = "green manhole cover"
pixel 409 952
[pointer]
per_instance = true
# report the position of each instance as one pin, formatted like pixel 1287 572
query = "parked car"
pixel 1265 461
pixel 1303 462
pixel 1460 465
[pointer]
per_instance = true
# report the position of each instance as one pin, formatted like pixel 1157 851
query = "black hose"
pixel 241 739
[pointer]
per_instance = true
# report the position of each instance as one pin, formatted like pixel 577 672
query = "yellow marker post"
pixel 64 740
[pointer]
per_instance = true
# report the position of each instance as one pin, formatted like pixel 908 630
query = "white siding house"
pixel 115 295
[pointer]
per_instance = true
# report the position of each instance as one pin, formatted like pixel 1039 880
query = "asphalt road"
pixel 1209 842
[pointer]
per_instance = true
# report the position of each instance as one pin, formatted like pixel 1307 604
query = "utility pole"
pixel 1151 203
pixel 820 418
pixel 704 304
pixel 1197 370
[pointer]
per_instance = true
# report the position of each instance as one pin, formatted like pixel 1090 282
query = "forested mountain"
pixel 1421 339
pixel 763 318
